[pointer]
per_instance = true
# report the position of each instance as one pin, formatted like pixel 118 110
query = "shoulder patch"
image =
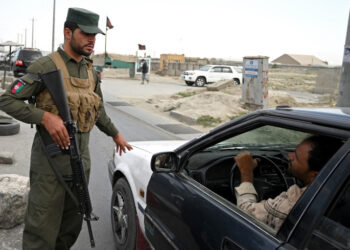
pixel 17 86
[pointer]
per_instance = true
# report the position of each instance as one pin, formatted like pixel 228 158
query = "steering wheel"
pixel 263 186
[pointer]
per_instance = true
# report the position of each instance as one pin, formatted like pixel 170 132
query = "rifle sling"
pixel 57 173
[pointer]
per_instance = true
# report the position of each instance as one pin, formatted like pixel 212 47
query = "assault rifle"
pixel 55 85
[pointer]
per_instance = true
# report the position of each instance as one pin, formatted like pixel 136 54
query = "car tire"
pixel 200 81
pixel 189 83
pixel 123 216
pixel 8 126
pixel 236 82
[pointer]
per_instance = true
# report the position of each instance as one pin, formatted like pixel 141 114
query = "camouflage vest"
pixel 83 101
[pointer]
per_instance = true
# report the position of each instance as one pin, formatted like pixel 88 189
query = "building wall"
pixel 165 59
pixel 327 80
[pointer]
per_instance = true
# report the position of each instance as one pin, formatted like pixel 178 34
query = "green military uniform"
pixel 51 221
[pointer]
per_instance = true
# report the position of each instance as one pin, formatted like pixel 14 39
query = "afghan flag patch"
pixel 17 86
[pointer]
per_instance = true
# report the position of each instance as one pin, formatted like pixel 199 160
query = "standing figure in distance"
pixel 144 71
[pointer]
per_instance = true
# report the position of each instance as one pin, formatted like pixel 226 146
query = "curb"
pixel 183 118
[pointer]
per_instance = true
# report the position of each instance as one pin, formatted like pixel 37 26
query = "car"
pixel 179 194
pixel 212 73
pixel 20 60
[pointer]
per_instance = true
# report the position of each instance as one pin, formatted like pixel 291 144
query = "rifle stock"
pixel 55 85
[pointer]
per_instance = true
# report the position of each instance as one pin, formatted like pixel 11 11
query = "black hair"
pixel 323 148
pixel 70 25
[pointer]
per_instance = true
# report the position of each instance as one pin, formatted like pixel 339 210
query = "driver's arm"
pixel 272 211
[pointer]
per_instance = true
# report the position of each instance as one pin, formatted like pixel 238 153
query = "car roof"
pixel 332 117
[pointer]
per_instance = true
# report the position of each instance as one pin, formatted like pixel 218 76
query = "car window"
pixel 264 137
pixel 216 69
pixel 214 166
pixel 226 70
pixel 205 68
pixel 29 55
pixel 14 55
pixel 333 231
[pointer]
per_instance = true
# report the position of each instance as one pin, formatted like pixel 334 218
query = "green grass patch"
pixel 186 94
pixel 208 121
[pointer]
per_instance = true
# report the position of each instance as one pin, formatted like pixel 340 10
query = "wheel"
pixel 236 82
pixel 189 83
pixel 8 126
pixel 15 74
pixel 264 187
pixel 123 216
pixel 200 81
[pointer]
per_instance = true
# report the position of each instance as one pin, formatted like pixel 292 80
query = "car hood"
pixel 157 146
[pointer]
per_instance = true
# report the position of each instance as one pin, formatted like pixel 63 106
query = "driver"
pixel 305 163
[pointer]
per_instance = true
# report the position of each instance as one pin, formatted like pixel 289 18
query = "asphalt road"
pixel 101 148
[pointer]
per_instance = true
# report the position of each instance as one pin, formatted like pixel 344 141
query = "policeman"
pixel 51 220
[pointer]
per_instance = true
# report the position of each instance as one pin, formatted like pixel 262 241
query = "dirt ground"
pixel 291 87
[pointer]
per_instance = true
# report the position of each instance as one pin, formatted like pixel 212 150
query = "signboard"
pixel 138 65
pixel 251 68
pixel 346 54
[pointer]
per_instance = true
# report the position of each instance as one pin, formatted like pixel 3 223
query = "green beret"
pixel 86 20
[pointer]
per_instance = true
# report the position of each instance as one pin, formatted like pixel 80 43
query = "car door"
pixel 227 73
pixel 180 214
pixel 214 74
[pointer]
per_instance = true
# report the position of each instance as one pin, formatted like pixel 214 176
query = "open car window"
pixel 213 166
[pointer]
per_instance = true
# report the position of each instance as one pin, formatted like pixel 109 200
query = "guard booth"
pixel 255 78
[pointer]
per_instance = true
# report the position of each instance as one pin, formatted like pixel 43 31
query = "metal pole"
pixel 344 86
pixel 53 26
pixel 33 32
pixel 4 78
pixel 25 37
pixel 105 46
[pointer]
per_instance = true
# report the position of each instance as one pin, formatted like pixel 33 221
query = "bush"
pixel 208 121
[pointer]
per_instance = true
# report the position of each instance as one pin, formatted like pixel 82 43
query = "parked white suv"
pixel 212 73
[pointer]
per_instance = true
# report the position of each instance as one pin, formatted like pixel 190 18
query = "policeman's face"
pixel 82 43
pixel 299 165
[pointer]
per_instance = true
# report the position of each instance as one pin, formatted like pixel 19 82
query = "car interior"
pixel 214 166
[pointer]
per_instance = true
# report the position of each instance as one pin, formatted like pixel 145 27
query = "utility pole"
pixel 25 37
pixel 53 26
pixel 33 32
pixel 344 86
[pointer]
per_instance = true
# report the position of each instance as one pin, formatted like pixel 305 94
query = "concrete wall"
pixel 327 80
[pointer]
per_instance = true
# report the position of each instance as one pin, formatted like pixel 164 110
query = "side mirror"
pixel 165 162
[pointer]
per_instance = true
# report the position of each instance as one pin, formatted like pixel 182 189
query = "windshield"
pixel 262 137
pixel 205 68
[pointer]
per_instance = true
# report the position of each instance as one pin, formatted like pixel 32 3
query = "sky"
pixel 229 29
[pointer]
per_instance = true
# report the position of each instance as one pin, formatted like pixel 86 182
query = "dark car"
pixel 189 200
pixel 22 58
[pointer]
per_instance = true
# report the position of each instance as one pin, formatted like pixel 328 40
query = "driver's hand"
pixel 246 165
